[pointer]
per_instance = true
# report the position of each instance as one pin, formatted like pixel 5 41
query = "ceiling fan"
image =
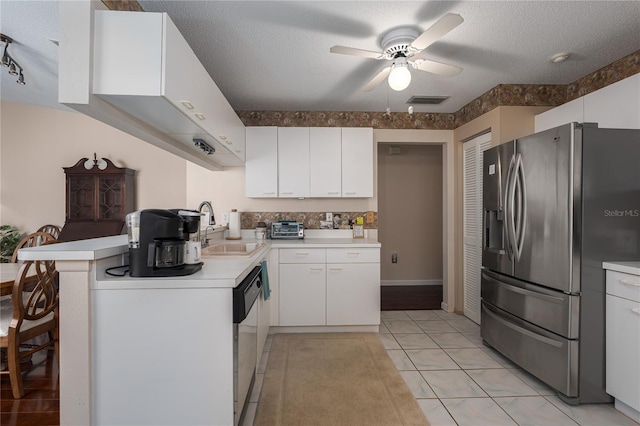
pixel 401 46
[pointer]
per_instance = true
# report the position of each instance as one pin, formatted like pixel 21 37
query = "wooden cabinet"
pixel 623 340
pixel 99 195
pixel 357 162
pixel 261 167
pixel 144 67
pixel 312 162
pixel 321 287
pixel 293 162
pixel 325 162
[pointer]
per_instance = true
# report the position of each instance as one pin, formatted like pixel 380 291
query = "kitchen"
pixel 225 187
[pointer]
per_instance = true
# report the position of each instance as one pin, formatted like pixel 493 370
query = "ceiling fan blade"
pixel 445 24
pixel 355 52
pixel 437 67
pixel 377 79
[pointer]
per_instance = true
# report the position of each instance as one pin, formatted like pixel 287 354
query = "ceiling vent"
pixel 427 100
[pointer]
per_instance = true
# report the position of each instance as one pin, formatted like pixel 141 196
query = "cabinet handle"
pixel 302 253
pixel 286 193
pixel 627 282
pixel 353 253
pixel 228 142
pixel 349 193
pixel 333 193
pixel 336 269
pixel 636 311
pixel 200 116
pixel 268 193
pixel 316 269
pixel 187 104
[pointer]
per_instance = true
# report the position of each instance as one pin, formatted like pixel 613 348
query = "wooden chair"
pixel 27 315
pixel 54 230
pixel 31 240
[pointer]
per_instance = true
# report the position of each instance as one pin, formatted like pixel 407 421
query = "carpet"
pixel 334 379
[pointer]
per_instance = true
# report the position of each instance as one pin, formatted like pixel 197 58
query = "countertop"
pixel 216 272
pixel 626 267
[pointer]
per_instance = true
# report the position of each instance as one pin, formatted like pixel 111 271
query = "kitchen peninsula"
pixel 159 350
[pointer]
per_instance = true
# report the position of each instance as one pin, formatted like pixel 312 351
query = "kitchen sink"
pixel 230 249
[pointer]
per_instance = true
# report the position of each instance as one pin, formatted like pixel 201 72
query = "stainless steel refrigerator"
pixel 557 204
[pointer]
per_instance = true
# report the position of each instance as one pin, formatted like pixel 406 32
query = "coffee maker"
pixel 157 241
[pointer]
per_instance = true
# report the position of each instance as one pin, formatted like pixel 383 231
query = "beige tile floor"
pixel 458 381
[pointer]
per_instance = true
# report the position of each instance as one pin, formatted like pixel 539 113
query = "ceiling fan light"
pixel 20 79
pixel 12 69
pixel 400 76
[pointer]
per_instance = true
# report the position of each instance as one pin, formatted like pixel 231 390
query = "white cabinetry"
pixel 261 172
pixel 293 162
pixel 334 286
pixel 325 162
pixel 623 340
pixel 357 162
pixel 613 106
pixel 314 162
pixel 143 66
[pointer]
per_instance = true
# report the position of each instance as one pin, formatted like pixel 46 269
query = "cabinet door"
pixel 293 162
pixel 623 350
pixel 177 69
pixel 353 294
pixel 325 162
pixel 615 106
pixel 357 162
pixel 563 114
pixel 261 167
pixel 302 294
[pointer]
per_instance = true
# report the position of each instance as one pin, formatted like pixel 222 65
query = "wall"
pixel 505 123
pixel 37 142
pixel 410 213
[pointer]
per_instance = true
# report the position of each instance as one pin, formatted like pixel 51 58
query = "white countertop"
pixel 631 267
pixel 217 272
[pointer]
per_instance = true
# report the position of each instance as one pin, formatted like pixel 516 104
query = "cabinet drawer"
pixel 303 255
pixel 353 255
pixel 623 285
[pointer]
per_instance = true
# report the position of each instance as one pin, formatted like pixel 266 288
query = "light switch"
pixel 370 217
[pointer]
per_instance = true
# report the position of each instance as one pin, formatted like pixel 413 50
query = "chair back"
pixel 54 230
pixel 31 240
pixel 34 301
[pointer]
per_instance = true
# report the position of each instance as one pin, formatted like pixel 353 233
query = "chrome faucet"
pixel 205 243
pixel 212 220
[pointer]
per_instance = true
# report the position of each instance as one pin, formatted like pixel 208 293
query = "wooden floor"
pixel 410 297
pixel 40 405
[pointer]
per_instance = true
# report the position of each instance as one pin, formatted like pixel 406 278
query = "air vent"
pixel 427 100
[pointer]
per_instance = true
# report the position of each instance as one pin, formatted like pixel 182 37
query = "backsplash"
pixel 311 220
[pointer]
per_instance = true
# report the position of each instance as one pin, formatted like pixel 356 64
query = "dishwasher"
pixel 245 339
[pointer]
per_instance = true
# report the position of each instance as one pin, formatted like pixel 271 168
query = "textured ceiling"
pixel 270 55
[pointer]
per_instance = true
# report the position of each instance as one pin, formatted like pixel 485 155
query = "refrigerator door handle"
pixel 521 330
pixel 509 209
pixel 521 190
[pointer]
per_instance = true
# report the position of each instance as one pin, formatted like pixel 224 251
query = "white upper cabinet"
pixel 144 67
pixel 616 106
pixel 261 172
pixel 357 162
pixel 293 162
pixel 613 106
pixel 325 162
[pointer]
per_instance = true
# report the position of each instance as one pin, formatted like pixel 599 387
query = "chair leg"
pixel 15 373
pixel 56 345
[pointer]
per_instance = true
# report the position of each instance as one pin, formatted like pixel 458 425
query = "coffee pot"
pixel 157 240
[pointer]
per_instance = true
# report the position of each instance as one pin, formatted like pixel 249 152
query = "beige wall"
pixel 505 123
pixel 37 142
pixel 410 212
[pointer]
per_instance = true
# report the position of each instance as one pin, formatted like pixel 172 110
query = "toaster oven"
pixel 287 229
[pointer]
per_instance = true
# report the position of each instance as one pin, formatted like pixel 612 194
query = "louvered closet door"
pixel 472 223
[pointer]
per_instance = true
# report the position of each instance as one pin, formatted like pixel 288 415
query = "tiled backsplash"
pixel 311 220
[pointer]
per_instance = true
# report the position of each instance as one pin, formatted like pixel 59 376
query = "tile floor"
pixel 458 381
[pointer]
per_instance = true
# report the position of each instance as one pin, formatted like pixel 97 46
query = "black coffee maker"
pixel 157 243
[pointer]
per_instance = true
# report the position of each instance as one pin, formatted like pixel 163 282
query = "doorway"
pixel 410 225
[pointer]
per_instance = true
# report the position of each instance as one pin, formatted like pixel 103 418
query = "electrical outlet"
pixel 370 217
pixel 394 257
pixel 225 217
pixel 329 217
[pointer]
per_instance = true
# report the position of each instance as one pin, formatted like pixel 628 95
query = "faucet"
pixel 205 243
pixel 212 220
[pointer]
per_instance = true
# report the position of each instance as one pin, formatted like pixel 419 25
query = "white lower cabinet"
pixel 353 293
pixel 302 294
pixel 333 286
pixel 623 340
